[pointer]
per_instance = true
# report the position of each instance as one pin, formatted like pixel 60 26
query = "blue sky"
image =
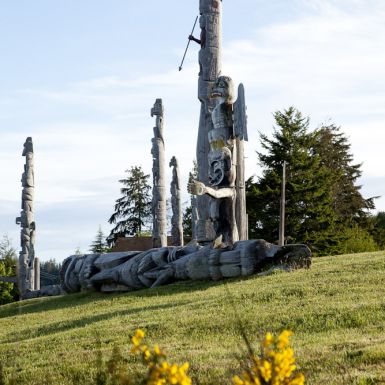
pixel 81 76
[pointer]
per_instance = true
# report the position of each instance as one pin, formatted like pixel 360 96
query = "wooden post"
pixel 281 239
pixel 37 274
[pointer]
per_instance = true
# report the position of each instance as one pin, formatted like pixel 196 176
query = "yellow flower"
pixel 265 370
pixel 268 340
pixel 283 339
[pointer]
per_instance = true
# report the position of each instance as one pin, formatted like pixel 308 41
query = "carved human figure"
pixel 221 162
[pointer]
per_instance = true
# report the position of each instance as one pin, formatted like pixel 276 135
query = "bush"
pixel 356 240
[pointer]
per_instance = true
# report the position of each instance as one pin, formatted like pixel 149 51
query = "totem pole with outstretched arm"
pixel 209 69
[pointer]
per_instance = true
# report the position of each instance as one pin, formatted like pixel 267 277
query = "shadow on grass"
pixel 38 305
pixel 63 326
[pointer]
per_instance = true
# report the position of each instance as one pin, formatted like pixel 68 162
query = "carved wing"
pixel 240 117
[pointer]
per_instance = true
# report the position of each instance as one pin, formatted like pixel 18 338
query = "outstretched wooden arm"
pixel 199 188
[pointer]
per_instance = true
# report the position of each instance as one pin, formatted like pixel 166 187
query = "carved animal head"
pixel 28 146
pixel 224 89
pixel 173 162
pixel 157 110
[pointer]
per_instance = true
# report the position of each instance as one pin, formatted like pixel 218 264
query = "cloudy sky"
pixel 80 77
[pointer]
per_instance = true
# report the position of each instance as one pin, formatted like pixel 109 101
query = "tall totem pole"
pixel 176 219
pixel 209 69
pixel 27 263
pixel 159 230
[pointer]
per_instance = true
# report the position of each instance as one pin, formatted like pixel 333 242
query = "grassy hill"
pixel 336 311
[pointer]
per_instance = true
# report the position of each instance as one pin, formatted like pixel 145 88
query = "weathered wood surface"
pixel 169 264
pixel 209 68
pixel 26 268
pixel 176 205
pixel 159 231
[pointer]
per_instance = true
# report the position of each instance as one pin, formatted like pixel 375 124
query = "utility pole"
pixel 281 239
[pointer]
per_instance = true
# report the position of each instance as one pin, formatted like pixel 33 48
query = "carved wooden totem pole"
pixel 226 166
pixel 209 69
pixel 27 262
pixel 176 219
pixel 159 231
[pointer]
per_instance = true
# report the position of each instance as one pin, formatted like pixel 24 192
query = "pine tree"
pixel 187 212
pixel 133 209
pixel 99 245
pixel 309 215
pixel 334 150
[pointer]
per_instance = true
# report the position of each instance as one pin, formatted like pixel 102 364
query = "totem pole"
pixel 225 165
pixel 176 219
pixel 159 231
pixel 209 70
pixel 27 263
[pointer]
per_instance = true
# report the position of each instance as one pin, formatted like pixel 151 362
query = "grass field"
pixel 336 311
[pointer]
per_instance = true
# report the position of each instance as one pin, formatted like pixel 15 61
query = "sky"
pixel 81 76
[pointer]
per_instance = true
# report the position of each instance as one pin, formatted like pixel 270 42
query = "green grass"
pixel 336 311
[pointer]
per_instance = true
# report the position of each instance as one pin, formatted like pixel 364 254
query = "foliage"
pixel 8 263
pixel 5 287
pixel 334 150
pixel 187 223
pixel 377 229
pixel 356 240
pixel 335 310
pixel 187 212
pixel 159 370
pixel 99 245
pixel 274 366
pixel 133 209
pixel 50 272
pixel 323 200
pixel 310 218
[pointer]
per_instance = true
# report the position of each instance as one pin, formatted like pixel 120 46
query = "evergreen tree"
pixel 187 223
pixel 49 272
pixel 8 263
pixel 309 215
pixel 333 148
pixel 99 245
pixel 377 229
pixel 187 212
pixel 133 209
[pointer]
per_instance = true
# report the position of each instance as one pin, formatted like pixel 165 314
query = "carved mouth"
pixel 216 94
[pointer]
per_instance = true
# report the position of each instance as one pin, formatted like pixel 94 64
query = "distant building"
pixel 135 244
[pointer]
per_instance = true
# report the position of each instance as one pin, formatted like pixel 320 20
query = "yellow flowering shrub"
pixel 160 372
pixel 274 366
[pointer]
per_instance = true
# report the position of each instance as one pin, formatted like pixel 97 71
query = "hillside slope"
pixel 336 311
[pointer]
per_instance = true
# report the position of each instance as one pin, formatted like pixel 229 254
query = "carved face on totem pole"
pixel 220 137
pixel 223 90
